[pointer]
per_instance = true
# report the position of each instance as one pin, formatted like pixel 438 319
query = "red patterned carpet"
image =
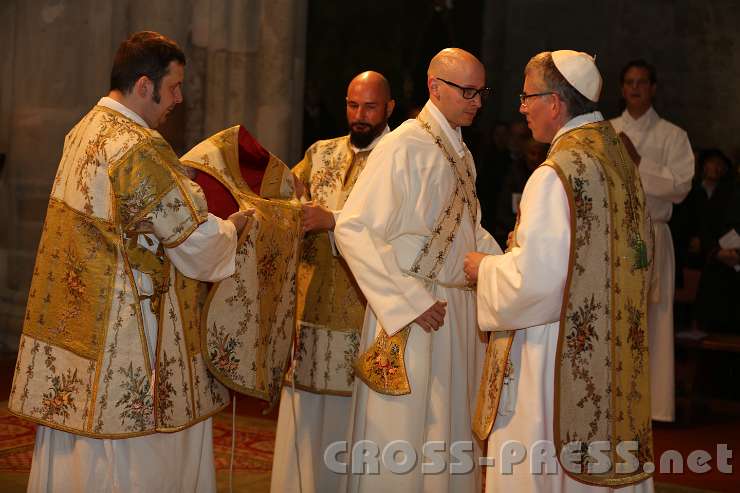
pixel 255 439
pixel 16 442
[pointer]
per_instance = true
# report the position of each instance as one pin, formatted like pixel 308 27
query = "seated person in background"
pixel 700 220
pixel 507 207
pixel 716 307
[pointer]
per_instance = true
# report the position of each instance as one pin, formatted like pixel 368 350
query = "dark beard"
pixel 364 138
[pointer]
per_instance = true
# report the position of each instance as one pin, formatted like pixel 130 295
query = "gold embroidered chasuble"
pixel 601 373
pixel 84 360
pixel 382 367
pixel 247 319
pixel 330 305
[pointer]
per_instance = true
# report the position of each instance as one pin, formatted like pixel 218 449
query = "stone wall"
pixel 245 65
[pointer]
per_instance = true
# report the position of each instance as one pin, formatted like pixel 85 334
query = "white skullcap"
pixel 579 69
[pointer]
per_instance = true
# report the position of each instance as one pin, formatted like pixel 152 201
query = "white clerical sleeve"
pixel 524 287
pixel 370 218
pixel 332 241
pixel 209 253
pixel 670 180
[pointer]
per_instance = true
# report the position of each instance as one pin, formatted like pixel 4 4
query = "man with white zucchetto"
pixel 564 400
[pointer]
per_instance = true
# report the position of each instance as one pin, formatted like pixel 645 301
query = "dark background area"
pixel 692 44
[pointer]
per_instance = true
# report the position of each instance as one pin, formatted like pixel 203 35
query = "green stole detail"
pixel 602 391
pixel 382 366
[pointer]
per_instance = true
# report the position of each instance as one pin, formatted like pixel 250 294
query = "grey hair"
pixel 575 102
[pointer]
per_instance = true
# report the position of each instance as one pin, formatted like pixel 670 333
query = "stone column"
pixel 56 59
pixel 247 68
pixel 245 65
pixel 7 52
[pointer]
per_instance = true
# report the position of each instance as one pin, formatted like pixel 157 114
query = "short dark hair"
pixel 639 63
pixel 707 154
pixel 144 53
pixel 575 102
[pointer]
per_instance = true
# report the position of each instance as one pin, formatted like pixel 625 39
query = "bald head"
pixel 450 73
pixel 375 82
pixel 369 105
pixel 451 62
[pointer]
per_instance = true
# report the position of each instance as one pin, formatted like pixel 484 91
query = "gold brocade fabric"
pixel 75 265
pixel 330 306
pixel 602 387
pixel 247 322
pixel 492 381
pixel 601 375
pixel 83 363
pixel 277 182
pixel 382 367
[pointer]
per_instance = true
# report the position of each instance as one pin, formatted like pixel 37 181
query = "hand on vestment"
pixel 142 227
pixel 510 241
pixel 316 217
pixel 631 150
pixel 471 264
pixel 728 257
pixel 433 317
pixel 240 218
pixel 298 186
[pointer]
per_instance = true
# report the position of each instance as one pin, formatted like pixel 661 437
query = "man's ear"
pixel 558 105
pixel 433 85
pixel 142 86
pixel 389 107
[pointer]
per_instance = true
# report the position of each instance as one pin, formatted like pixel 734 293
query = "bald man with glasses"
pixel 403 230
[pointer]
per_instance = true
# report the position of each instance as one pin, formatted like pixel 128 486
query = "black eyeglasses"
pixel 524 96
pixel 469 92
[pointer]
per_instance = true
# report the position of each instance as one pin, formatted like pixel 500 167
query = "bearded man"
pixel 104 365
pixel 315 405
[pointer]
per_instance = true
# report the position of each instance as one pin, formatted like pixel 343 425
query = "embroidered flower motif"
pixel 328 176
pixel 214 390
pixel 382 364
pixel 222 351
pixel 350 355
pixel 133 203
pixel 60 399
pixel 582 333
pixel 165 389
pixel 636 334
pixel 137 402
pixel 267 265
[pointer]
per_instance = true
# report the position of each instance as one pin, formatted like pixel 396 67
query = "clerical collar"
pixel 643 122
pixel 372 144
pixel 453 135
pixel 579 121
pixel 114 105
